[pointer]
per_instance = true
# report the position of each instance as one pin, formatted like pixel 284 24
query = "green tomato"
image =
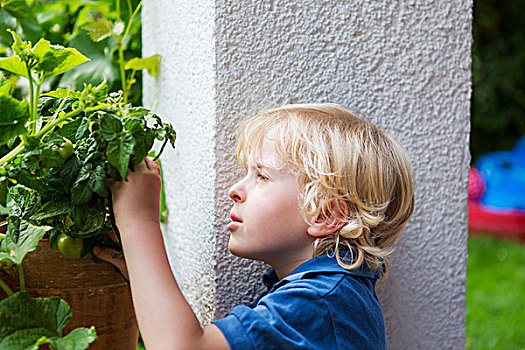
pixel 70 246
pixel 66 151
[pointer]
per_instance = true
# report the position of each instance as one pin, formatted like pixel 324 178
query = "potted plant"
pixel 64 146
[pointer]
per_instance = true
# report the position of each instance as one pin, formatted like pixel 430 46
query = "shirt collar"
pixel 321 264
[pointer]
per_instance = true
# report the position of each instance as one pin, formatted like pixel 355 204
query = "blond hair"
pixel 348 171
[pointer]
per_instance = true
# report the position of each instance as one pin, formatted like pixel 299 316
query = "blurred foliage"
pixel 498 73
pixel 66 23
pixel 495 294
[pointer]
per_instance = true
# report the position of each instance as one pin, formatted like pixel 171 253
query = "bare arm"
pixel 165 318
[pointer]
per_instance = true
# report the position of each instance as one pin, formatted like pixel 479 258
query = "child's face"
pixel 266 221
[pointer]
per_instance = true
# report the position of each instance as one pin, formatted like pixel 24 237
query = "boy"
pixel 325 196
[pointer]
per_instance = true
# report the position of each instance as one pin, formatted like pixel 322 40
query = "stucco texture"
pixel 405 64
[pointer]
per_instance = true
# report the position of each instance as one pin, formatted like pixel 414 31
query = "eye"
pixel 261 176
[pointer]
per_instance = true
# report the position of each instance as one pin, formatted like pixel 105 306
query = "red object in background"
pixel 508 223
pixel 476 184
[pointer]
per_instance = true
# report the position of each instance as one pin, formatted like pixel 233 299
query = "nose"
pixel 237 192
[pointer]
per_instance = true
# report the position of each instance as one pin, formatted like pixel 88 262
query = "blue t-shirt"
pixel 320 305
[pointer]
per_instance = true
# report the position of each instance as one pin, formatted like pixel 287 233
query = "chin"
pixel 238 252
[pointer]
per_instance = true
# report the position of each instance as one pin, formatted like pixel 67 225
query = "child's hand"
pixel 137 200
pixel 107 254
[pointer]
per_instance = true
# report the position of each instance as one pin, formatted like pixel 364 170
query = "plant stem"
pixel 58 110
pixel 32 115
pixel 129 8
pixel 49 126
pixel 6 288
pixel 35 104
pixel 22 279
pixel 128 28
pixel 162 148
pixel 121 46
pixel 122 72
pixel 14 152
pixel 118 8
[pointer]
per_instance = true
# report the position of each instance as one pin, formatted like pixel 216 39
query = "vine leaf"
pixel 151 63
pixel 26 323
pixel 103 29
pixel 20 240
pixel 13 118
pixel 14 65
pixel 50 59
pixel 52 208
pixel 55 59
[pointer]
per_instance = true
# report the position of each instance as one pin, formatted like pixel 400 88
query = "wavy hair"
pixel 348 171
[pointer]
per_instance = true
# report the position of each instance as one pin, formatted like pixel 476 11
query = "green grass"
pixel 495 294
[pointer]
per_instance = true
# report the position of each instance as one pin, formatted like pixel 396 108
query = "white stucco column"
pixel 404 63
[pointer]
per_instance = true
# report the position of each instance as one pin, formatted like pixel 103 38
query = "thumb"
pixel 107 254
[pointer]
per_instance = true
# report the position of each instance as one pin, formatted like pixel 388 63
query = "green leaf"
pixel 20 312
pixel 21 48
pixel 119 153
pixel 63 93
pixel 26 323
pixel 21 240
pixel 55 59
pixel 69 130
pixel 26 339
pixel 97 181
pixel 14 65
pixel 101 65
pixel 51 59
pixel 151 63
pixel 81 191
pixel 90 96
pixel 143 143
pixel 99 30
pixel 6 21
pixel 83 128
pixel 13 117
pixel 3 191
pixel 52 208
pixel 69 172
pixel 24 176
pixel 110 126
pixel 17 13
pixel 20 201
pixel 77 339
pixel 5 89
pixel 93 223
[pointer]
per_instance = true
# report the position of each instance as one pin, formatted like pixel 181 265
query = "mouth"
pixel 235 218
pixel 236 222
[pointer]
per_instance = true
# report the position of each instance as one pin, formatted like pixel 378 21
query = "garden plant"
pixel 63 147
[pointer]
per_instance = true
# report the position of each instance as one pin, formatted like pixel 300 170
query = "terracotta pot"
pixel 98 295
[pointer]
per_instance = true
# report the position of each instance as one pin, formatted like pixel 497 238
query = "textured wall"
pixel 406 64
pixel 184 94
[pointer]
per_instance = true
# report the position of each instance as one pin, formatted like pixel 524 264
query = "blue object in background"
pixel 504 174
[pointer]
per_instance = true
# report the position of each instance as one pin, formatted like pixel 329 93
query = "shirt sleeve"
pixel 292 317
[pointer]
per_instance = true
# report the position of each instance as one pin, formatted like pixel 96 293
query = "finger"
pixel 147 163
pixel 154 165
pixel 151 163
pixel 141 166
pixel 113 236
pixel 157 166
pixel 107 254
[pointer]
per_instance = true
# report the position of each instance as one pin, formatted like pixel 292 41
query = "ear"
pixel 327 223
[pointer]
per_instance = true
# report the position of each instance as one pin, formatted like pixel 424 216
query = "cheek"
pixel 277 215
